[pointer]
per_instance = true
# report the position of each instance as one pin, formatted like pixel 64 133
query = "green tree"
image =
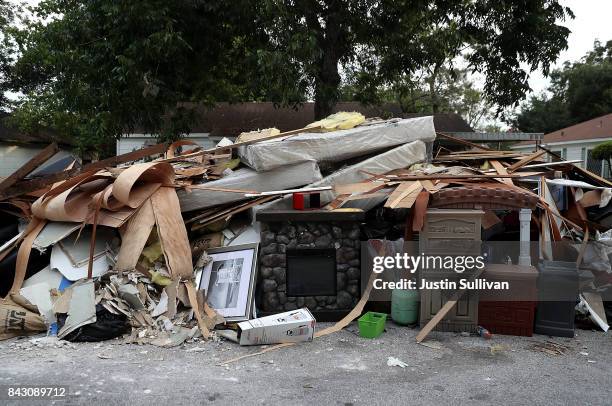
pixel 578 92
pixel 496 38
pixel 8 14
pixel 94 70
pixel 604 152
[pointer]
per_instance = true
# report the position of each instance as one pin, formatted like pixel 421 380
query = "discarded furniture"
pixel 512 311
pixel 309 259
pixel 449 232
pixel 557 296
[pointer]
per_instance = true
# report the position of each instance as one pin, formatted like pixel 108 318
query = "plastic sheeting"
pixel 285 177
pixel 397 158
pixel 338 145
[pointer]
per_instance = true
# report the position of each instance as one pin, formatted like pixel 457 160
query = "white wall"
pixel 12 157
pixel 573 149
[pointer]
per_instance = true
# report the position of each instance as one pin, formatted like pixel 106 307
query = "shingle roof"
pixel 229 120
pixel 599 127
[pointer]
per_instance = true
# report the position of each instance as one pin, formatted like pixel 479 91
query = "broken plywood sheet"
pixel 338 145
pixel 82 307
pixel 289 176
pixel 404 195
pixel 71 255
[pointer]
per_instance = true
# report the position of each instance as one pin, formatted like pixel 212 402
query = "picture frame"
pixel 228 281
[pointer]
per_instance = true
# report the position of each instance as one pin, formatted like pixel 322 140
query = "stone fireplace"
pixel 309 258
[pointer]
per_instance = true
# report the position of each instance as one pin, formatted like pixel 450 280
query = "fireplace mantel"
pixel 310 215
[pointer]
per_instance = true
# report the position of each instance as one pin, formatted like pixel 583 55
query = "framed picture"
pixel 228 280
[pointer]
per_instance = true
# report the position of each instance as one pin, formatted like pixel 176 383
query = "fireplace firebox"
pixel 311 272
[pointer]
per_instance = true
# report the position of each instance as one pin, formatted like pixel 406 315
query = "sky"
pixel 592 21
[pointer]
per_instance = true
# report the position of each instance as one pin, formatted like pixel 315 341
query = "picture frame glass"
pixel 227 282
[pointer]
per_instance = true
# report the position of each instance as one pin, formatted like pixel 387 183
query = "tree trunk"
pixel 326 87
pixel 432 89
pixel 327 81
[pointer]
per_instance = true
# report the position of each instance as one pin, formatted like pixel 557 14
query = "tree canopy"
pixel 578 91
pixel 8 13
pixel 94 70
pixel 604 152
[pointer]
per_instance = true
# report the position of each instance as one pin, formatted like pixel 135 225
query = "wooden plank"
pixel 361 187
pixel 443 311
pixel 501 169
pixel 526 160
pixel 405 194
pixel 435 177
pixel 24 187
pixel 29 166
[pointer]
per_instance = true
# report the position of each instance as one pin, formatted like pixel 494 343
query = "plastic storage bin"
pixel 372 324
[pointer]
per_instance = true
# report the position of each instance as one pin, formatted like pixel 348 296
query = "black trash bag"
pixel 106 327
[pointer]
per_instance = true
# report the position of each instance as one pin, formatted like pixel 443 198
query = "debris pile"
pixel 160 245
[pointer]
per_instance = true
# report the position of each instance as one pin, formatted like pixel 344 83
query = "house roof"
pixel 596 128
pixel 9 134
pixel 229 120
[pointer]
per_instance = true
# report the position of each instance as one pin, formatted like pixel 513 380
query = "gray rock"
pixel 321 299
pixel 337 232
pixel 281 248
pixel 305 238
pixel 330 300
pixel 354 234
pixel 282 287
pixel 269 285
pixel 300 301
pixel 265 272
pixel 291 299
pixel 311 303
pixel 346 254
pixel 340 281
pixel 273 260
pixel 292 244
pixel 271 302
pixel 325 228
pixel 267 237
pixel 344 300
pixel 283 239
pixel 290 306
pixel 353 289
pixel 342 267
pixel 354 262
pixel 323 241
pixel 348 243
pixel 279 274
pixel 305 246
pixel 269 249
pixel 288 230
pixel 352 273
pixel 282 298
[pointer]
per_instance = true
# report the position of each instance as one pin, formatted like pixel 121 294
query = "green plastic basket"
pixel 372 324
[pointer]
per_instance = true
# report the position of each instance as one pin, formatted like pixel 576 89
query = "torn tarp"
pixel 338 145
pixel 247 179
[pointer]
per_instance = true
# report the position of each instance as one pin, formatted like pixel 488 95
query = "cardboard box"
pixel 289 327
